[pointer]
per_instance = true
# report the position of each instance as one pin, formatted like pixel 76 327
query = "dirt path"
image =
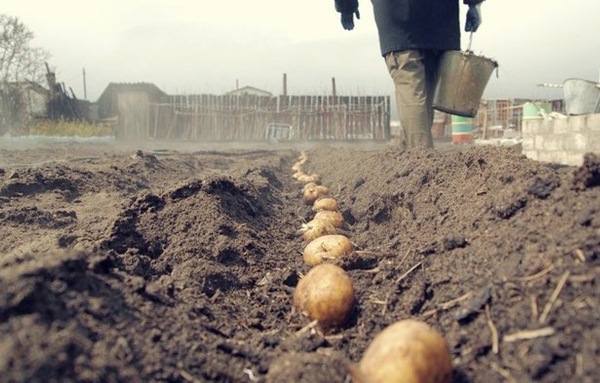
pixel 178 263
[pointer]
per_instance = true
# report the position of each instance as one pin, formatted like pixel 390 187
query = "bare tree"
pixel 19 61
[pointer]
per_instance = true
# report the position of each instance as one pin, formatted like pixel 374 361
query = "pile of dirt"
pixel 129 265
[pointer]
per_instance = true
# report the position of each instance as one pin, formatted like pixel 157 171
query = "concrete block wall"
pixel 561 140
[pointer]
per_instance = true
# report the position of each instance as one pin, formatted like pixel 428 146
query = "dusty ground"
pixel 179 265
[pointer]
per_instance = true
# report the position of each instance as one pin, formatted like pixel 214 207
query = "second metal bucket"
pixel 462 78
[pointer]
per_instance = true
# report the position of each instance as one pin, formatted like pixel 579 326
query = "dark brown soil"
pixel 179 265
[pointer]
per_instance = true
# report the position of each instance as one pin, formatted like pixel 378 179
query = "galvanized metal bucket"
pixel 581 96
pixel 462 78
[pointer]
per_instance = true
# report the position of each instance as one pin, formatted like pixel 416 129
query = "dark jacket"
pixel 414 24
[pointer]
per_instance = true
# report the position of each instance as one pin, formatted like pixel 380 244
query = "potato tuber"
pixel 315 229
pixel 325 294
pixel 326 247
pixel 311 194
pixel 309 178
pixel 309 185
pixel 328 204
pixel 298 174
pixel 333 217
pixel 297 167
pixel 408 351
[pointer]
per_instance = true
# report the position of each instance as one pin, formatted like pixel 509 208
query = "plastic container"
pixel 462 130
pixel 536 110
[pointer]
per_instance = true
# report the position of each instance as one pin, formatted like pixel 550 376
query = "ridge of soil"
pixel 127 265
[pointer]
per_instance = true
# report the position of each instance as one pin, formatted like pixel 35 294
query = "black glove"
pixel 348 19
pixel 473 18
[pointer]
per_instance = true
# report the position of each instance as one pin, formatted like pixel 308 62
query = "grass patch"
pixel 69 129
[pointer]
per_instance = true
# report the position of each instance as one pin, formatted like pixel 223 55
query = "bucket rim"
pixel 471 53
pixel 455 112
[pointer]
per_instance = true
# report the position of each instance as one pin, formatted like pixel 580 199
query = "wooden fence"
pixel 246 117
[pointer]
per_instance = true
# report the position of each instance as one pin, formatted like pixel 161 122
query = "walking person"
pixel 413 34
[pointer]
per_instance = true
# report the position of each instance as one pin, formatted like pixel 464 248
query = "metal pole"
pixel 334 90
pixel 84 86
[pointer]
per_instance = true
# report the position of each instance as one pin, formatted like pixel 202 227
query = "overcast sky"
pixel 206 46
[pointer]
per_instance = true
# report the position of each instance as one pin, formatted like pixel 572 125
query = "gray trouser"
pixel 414 73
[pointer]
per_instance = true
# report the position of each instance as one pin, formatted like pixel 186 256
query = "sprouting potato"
pixel 333 217
pixel 408 351
pixel 298 174
pixel 325 294
pixel 327 247
pixel 309 178
pixel 315 229
pixel 297 167
pixel 327 203
pixel 309 185
pixel 311 194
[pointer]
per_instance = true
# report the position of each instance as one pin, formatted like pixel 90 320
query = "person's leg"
pixel 414 76
pixel 432 61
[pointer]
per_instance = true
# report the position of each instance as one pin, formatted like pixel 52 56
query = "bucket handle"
pixel 497 66
pixel 470 41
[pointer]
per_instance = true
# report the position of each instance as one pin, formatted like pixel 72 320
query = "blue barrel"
pixel 462 130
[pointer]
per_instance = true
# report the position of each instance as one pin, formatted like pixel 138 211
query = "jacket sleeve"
pixel 473 2
pixel 346 6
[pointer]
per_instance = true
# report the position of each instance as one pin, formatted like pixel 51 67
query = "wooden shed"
pixel 128 104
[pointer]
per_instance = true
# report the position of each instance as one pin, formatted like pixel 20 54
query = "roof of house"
pixel 139 86
pixel 25 85
pixel 249 90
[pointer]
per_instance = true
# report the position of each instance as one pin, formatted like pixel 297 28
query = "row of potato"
pixel 408 351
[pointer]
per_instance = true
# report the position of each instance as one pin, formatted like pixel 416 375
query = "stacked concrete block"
pixel 562 140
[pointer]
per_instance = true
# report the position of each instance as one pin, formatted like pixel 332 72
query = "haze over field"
pixel 207 46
